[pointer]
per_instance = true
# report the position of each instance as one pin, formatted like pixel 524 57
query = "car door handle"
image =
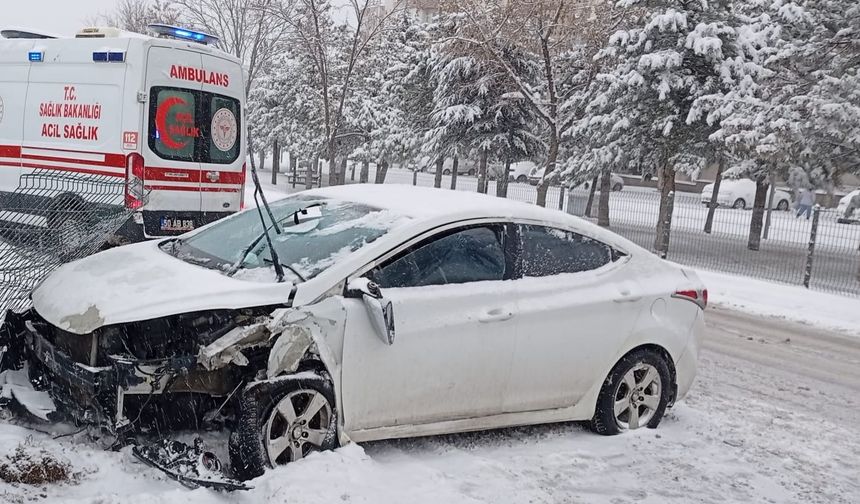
pixel 496 315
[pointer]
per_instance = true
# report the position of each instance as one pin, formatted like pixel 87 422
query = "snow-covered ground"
pixel 770 419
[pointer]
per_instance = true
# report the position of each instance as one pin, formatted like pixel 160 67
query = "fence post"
pixel 667 225
pixel 415 177
pixel 561 198
pixel 807 275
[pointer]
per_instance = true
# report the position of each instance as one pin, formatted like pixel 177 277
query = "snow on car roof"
pixel 427 202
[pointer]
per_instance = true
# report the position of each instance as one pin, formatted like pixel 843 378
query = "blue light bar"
pixel 183 33
pixel 100 56
pixel 116 57
pixel 36 56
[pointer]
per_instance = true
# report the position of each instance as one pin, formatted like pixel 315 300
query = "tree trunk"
pixel 381 171
pixel 552 157
pixel 309 173
pixel 666 186
pixel 352 171
pixel 712 206
pixel 482 171
pixel 294 167
pixel 502 185
pixel 437 179
pixel 591 190
pixel 262 162
pixel 603 203
pixel 454 169
pixel 761 187
pixel 276 162
pixel 332 168
pixel 341 173
pixel 364 173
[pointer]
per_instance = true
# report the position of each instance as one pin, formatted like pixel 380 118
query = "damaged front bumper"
pixel 98 395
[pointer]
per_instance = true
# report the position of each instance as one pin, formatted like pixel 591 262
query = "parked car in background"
pixel 519 171
pixel 740 194
pixel 842 210
pixel 616 183
pixel 464 166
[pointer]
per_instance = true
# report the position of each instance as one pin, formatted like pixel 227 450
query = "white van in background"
pixel 164 115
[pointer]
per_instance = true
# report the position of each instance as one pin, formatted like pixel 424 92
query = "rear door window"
pixel 194 126
pixel 548 251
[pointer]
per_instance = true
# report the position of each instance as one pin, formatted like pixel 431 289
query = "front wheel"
pixel 446 172
pixel 635 394
pixel 471 173
pixel 782 206
pixel 617 187
pixel 740 204
pixel 522 179
pixel 282 422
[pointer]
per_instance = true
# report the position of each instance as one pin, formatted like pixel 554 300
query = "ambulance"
pixel 164 114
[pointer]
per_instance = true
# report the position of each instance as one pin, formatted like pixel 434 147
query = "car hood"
pixel 141 282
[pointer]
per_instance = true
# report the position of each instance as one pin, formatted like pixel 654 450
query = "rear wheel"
pixel 635 394
pixel 471 172
pixel 446 172
pixel 782 206
pixel 740 204
pixel 522 179
pixel 617 187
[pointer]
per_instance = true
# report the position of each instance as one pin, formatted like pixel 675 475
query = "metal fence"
pixel 818 252
pixel 53 217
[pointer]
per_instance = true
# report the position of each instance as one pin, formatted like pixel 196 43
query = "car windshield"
pixel 315 233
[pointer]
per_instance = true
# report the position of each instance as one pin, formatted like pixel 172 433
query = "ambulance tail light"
pixel 242 190
pixel 134 180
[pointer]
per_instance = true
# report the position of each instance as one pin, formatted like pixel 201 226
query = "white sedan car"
pixel 740 194
pixel 370 312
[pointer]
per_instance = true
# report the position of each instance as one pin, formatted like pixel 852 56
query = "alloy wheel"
pixel 637 396
pixel 297 425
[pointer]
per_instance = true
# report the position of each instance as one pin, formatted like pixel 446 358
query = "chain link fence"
pixel 52 218
pixel 818 252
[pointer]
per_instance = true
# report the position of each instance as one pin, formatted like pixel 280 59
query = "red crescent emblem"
pixel 161 122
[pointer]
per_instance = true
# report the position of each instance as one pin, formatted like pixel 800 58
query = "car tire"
pixel 644 372
pixel 782 206
pixel 617 187
pixel 446 172
pixel 471 173
pixel 259 416
pixel 522 179
pixel 740 204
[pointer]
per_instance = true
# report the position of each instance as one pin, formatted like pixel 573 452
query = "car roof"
pixel 430 203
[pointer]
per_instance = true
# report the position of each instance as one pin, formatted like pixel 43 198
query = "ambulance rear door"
pixel 174 144
pixel 222 177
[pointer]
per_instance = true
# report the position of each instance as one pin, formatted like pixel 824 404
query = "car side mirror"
pixel 379 309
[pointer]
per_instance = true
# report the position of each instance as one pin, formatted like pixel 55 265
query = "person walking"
pixel 804 203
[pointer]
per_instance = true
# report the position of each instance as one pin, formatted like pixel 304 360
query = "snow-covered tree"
pixel 650 107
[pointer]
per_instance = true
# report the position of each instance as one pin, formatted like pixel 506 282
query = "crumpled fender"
pixel 317 329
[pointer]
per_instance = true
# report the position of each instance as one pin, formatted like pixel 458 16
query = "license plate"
pixel 170 224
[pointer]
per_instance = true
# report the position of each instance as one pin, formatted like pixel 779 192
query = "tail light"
pixel 242 190
pixel 134 180
pixel 700 297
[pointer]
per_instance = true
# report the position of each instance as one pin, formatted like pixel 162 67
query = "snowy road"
pixel 771 418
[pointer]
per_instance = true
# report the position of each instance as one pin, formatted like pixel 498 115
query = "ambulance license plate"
pixel 169 224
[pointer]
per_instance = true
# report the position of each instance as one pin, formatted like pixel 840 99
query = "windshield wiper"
pixel 258 193
pixel 279 267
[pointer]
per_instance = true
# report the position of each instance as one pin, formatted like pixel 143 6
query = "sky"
pixel 63 17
